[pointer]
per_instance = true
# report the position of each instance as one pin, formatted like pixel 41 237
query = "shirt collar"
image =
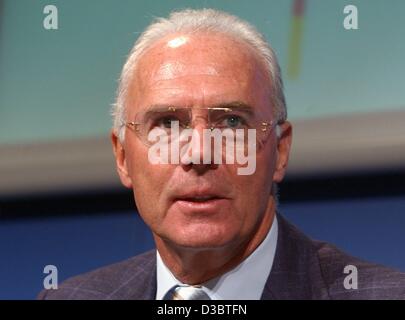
pixel 244 282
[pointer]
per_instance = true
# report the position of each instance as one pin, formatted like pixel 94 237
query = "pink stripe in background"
pixel 298 8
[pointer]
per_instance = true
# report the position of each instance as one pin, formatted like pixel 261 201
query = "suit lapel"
pixel 148 285
pixel 139 280
pixel 295 273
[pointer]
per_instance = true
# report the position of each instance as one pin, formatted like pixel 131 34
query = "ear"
pixel 283 151
pixel 120 160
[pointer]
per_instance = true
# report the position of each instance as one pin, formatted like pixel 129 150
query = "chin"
pixel 201 244
pixel 203 238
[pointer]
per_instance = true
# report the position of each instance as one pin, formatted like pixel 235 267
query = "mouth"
pixel 200 203
pixel 199 199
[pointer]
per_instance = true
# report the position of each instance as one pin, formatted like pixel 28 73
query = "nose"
pixel 199 154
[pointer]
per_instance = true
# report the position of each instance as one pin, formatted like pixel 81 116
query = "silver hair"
pixel 192 21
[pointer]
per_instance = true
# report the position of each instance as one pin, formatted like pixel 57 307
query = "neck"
pixel 185 263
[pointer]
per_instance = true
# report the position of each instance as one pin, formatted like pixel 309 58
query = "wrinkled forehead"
pixel 199 54
pixel 197 67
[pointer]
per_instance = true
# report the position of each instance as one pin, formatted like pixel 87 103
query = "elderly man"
pixel 216 229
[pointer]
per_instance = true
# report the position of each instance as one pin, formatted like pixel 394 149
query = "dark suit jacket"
pixel 302 269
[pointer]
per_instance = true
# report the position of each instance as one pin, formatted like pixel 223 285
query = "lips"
pixel 200 202
pixel 199 198
pixel 199 195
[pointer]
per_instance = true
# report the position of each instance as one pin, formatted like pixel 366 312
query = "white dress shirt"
pixel 244 282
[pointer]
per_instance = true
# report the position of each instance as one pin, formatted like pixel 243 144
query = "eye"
pixel 166 122
pixel 233 121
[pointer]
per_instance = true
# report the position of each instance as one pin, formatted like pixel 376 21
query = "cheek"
pixel 149 188
pixel 267 158
pixel 143 173
pixel 148 180
pixel 265 165
pixel 254 190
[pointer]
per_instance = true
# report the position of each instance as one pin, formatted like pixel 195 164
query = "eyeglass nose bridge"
pixel 193 121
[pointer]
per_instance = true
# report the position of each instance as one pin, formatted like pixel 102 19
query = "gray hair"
pixel 191 21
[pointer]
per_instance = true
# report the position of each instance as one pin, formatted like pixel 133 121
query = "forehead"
pixel 199 69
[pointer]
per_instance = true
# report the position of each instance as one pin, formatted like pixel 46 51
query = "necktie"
pixel 186 293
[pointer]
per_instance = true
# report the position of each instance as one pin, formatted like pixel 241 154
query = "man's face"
pixel 197 205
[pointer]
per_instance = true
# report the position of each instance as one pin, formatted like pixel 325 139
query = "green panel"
pixel 60 84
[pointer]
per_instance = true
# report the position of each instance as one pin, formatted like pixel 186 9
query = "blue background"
pixel 371 228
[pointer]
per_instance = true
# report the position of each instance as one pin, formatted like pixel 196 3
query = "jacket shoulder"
pixel 130 279
pixel 347 277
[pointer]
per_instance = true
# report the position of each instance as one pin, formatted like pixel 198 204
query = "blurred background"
pixel 60 199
